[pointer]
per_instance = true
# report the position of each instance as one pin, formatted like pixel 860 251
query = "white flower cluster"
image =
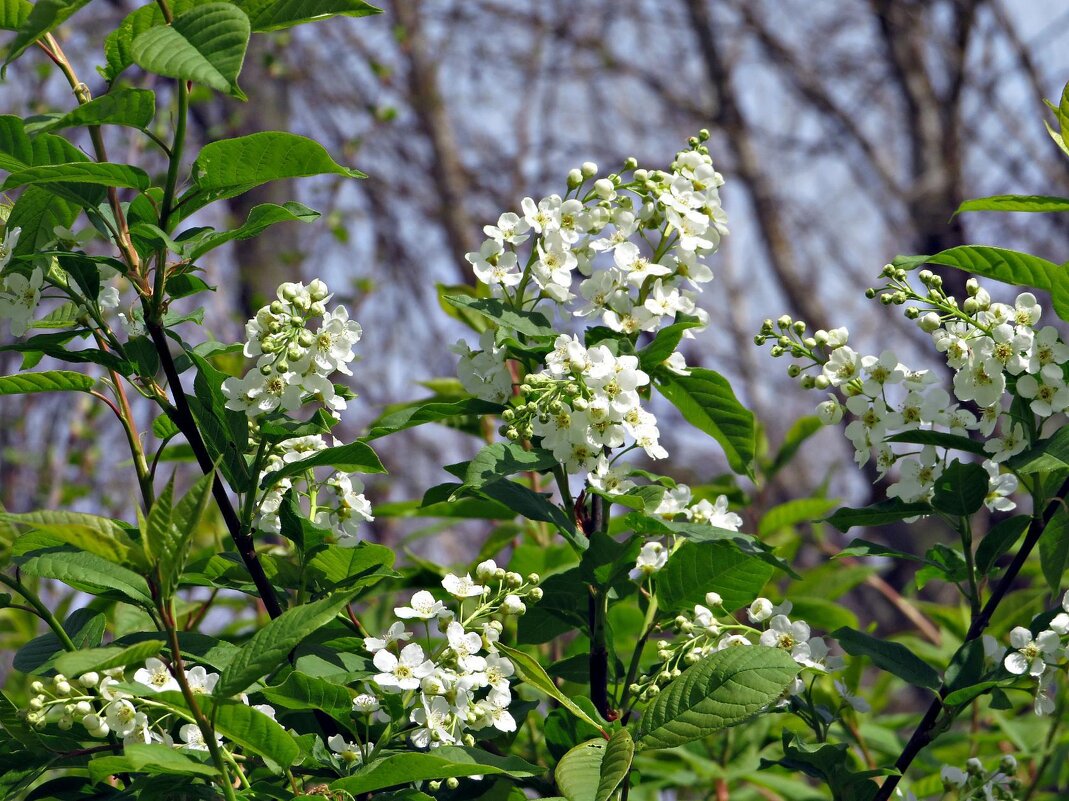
pixel 676 503
pixel 1041 656
pixel 336 503
pixel 636 246
pixel 584 404
pixel 884 398
pixel 294 359
pixel 102 707
pixel 458 684
pixel 975 783
pixel 679 209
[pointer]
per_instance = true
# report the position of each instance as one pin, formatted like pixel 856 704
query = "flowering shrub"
pixel 615 636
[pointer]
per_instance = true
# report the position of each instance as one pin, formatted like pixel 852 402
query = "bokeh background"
pixel 848 131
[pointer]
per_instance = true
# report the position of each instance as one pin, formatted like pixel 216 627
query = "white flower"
pixel 156 675
pixel 463 586
pixel 1032 656
pixel 1010 443
pixel 193 738
pixel 953 777
pixel 465 646
pixel 395 633
pixel 366 704
pixel 404 672
pixel 350 752
pixel 498 670
pixel 435 720
pixel 121 717
pixel 493 265
pixel 200 680
pixel 510 228
pixel 999 489
pixel 7 246
pixel 790 636
pixel 715 514
pixel 19 297
pixel 257 393
pixel 332 348
pixel 423 606
pixel 652 557
pixel 608 479
pixel 760 610
pixel 842 367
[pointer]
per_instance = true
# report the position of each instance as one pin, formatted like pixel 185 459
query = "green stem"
pixel 626 702
pixel 206 730
pixel 42 611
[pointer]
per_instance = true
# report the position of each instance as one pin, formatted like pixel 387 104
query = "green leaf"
pixel 1042 203
pixel 171 543
pixel 502 459
pixel 940 439
pixel 83 626
pixel 205 45
pixel 13 14
pixel 90 573
pixel 441 763
pixel 663 345
pixel 578 773
pixel 1054 550
pixel 268 647
pixel 229 167
pixel 722 690
pixel 273 15
pixel 1007 266
pixel 893 657
pixel 859 547
pixel 301 691
pixel 133 108
pixel 532 673
pixel 998 541
pixel 706 401
pixel 18 151
pixel 616 764
pixel 260 219
pixel 1048 454
pixel 79 172
pixel 37 212
pixel 431 411
pixel 695 568
pixel 96 535
pixel 534 506
pixel 48 381
pixel 360 566
pixel 532 324
pixel 961 489
pixel 878 514
pixel 76 663
pixel 44 17
pixel 356 457
pixel 148 758
pixel 251 729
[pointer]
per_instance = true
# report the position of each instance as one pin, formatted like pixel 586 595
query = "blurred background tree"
pixel 849 131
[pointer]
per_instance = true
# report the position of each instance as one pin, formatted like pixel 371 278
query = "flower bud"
pixel 65 723
pixel 37 687
pixel 1008 764
pixel 533 578
pixel 928 322
pixel 589 169
pixel 974 766
pixel 452 782
pixel 317 290
pixel 89 679
pixel 486 570
pixel 604 188
pixel 513 579
pixel 83 708
pixel 512 605
pixel 37 702
pixel 575 177
pixel 434 786
pixel 713 599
